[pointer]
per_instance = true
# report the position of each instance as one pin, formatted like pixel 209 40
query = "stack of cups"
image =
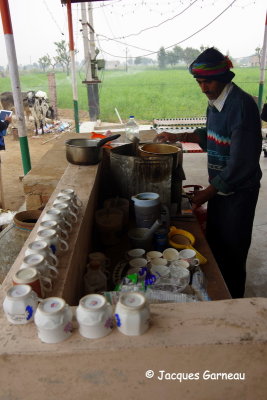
pixel 39 267
pixel 57 222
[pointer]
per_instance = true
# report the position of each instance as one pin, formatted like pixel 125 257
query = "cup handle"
pixel 63 245
pixel 53 274
pixel 73 217
pixel 54 259
pixel 67 224
pixel 78 201
pixel 64 233
pixel 196 262
pixel 76 208
pixel 46 284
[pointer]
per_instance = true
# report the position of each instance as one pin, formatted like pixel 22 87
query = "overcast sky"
pixel 139 27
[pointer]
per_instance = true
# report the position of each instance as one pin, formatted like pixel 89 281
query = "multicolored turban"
pixel 212 65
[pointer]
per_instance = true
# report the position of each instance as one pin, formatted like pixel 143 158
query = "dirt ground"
pixel 11 161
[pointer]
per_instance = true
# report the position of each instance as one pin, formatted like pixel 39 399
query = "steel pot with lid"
pixel 82 151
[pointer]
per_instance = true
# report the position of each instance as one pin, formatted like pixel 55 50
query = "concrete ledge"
pixel 84 180
pixel 222 336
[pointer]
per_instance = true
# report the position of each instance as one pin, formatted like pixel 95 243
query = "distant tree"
pixel 63 55
pixel 138 60
pixel 143 60
pixel 190 55
pixel 178 53
pixel 171 58
pixel 162 58
pixel 44 62
pixel 258 53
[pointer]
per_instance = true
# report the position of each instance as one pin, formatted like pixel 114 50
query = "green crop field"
pixel 147 94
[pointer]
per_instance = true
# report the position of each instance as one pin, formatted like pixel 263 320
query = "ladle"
pixel 107 139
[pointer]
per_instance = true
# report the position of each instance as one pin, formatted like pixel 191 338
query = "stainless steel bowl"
pixel 83 151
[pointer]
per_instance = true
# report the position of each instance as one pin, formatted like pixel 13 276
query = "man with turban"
pixel 233 141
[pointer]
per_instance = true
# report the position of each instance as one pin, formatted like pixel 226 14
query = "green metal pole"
pixel 76 115
pixel 26 162
pixel 261 86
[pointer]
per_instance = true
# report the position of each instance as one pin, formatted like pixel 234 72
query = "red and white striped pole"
pixel 73 70
pixel 15 84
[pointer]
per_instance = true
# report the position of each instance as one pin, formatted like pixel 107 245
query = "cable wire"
pixel 175 44
pixel 161 23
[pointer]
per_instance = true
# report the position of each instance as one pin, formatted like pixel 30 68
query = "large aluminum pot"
pixel 86 151
pixel 160 149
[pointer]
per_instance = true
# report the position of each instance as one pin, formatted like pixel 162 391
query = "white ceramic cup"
pixel 94 316
pixel 153 254
pixel 68 214
pixel 53 319
pixel 132 314
pixel 50 224
pixel 20 304
pixel 71 192
pixel 57 215
pixel 38 262
pixel 30 276
pixel 52 238
pixel 135 253
pixel 138 263
pixel 160 271
pixel 41 247
pixel 171 254
pixel 189 255
pixel 158 261
pixel 68 200
pixel 180 263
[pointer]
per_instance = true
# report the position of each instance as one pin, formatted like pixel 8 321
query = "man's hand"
pixel 168 137
pixel 202 196
pixel 8 118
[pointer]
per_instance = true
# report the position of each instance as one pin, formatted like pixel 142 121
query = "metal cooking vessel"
pixel 157 150
pixel 86 151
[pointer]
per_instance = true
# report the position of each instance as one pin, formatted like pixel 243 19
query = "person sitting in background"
pixel 3 126
pixel 233 141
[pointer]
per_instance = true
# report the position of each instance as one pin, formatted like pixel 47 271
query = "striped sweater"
pixel 233 141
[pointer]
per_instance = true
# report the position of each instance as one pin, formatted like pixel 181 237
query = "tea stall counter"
pixel 204 337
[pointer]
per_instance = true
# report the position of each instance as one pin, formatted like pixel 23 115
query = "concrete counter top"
pixel 199 338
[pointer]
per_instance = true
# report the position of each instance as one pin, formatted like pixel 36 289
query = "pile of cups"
pixel 39 267
pixel 170 266
pixel 54 318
